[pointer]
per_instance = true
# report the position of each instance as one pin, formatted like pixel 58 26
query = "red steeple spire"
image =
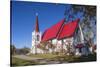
pixel 37 25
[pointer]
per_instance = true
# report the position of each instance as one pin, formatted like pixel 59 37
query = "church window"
pixel 37 37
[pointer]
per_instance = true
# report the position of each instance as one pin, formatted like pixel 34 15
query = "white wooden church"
pixel 61 34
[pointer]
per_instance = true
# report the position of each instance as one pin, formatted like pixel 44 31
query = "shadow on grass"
pixel 91 57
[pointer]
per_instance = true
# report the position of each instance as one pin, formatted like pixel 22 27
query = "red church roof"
pixel 52 32
pixel 68 29
pixel 60 31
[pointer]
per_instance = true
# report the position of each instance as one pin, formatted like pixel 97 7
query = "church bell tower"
pixel 36 37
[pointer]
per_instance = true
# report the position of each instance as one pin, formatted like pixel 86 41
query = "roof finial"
pixel 36 13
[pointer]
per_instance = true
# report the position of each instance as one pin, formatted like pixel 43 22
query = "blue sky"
pixel 24 17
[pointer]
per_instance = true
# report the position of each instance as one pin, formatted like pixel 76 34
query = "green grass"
pixel 21 62
pixel 72 59
pixel 52 57
pixel 44 56
pixel 66 58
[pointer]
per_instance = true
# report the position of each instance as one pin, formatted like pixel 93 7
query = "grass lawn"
pixel 21 62
pixel 53 57
pixel 66 58
pixel 44 56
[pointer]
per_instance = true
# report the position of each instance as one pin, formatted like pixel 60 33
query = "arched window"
pixel 38 37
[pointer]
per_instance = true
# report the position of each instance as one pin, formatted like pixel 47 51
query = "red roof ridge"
pixel 68 29
pixel 60 30
pixel 53 31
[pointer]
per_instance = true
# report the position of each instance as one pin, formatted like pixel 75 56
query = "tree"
pixel 24 50
pixel 87 15
pixel 12 49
